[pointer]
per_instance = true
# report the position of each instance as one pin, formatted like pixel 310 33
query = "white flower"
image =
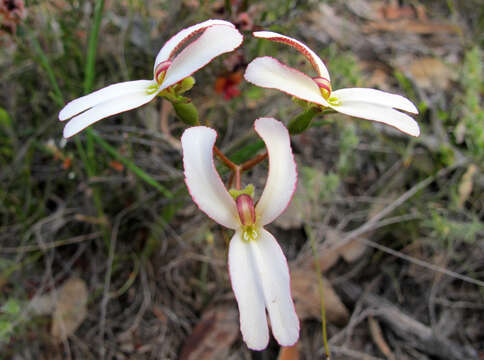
pixel 218 37
pixel 368 104
pixel 257 266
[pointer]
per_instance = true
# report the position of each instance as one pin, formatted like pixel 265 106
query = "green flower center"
pixel 250 233
pixel 152 89
pixel 324 86
pixel 333 100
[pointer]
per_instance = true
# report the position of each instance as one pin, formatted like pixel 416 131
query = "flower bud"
pixel 186 112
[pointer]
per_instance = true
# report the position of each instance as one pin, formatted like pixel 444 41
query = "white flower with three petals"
pixel 258 269
pixel 217 37
pixel 364 103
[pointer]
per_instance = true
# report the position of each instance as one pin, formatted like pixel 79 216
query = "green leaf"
pixel 5 119
pixel 185 85
pixel 247 152
pixel 11 307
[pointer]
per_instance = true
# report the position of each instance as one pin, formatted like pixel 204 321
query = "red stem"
pixel 238 169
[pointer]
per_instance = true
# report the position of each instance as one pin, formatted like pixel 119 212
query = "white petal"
pixel 382 114
pixel 111 107
pixel 313 58
pixel 172 45
pixel 269 73
pixel 246 284
pixel 282 178
pixel 202 179
pixel 215 40
pixel 103 95
pixel 376 97
pixel 275 282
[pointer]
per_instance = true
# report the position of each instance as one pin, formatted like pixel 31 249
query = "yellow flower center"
pixel 333 100
pixel 324 86
pixel 250 233
pixel 246 210
pixel 160 71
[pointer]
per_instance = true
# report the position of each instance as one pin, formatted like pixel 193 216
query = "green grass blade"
pixel 130 165
pixel 92 46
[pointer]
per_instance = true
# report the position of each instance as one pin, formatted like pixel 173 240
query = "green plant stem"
pixel 130 165
pixel 89 72
pixel 321 292
pixel 44 62
pixel 92 46
pixel 89 157
pixel 302 121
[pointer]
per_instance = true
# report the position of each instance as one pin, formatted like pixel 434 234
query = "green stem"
pixel 44 62
pixel 90 160
pixel 130 165
pixel 89 71
pixel 92 46
pixel 321 292
pixel 302 121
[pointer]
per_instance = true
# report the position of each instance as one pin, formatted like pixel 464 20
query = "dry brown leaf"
pixel 330 251
pixel 465 186
pixel 289 352
pixel 305 292
pixel 431 73
pixel 352 251
pixel 377 336
pixel 70 310
pixel 214 334
pixel 411 26
pixel 380 79
pixel 394 11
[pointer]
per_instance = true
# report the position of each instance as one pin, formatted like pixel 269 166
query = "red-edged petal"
pixel 202 179
pixel 376 97
pixel 282 178
pixel 313 58
pixel 103 110
pixel 103 95
pixel 245 279
pixel 275 283
pixel 379 113
pixel 175 42
pixel 269 73
pixel 215 40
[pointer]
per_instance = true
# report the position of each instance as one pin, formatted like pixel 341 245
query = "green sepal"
pixel 301 122
pixel 186 112
pixel 249 190
pixel 184 85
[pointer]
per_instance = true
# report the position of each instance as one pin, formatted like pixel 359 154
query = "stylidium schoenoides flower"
pixel 171 66
pixel 364 103
pixel 258 269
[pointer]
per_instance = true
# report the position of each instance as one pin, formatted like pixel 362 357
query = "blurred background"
pixel 104 255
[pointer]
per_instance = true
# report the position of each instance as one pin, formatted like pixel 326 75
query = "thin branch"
pixel 224 159
pixel 252 162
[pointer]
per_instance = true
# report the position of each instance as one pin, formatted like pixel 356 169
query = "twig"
pixel 395 204
pixel 422 263
pixel 52 244
pixel 377 335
